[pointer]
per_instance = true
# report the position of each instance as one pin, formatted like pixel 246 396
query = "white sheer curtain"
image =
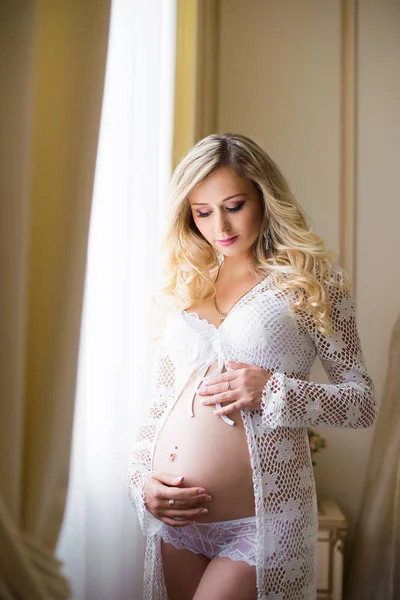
pixel 101 543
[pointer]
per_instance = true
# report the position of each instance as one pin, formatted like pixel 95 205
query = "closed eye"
pixel 232 209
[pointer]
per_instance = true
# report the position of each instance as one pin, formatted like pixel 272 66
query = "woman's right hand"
pixel 189 503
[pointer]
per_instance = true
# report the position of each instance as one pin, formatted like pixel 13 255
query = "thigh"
pixel 225 579
pixel 183 571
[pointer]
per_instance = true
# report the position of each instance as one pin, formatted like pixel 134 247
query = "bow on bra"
pixel 217 354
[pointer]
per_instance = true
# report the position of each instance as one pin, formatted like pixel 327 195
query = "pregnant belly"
pixel 210 454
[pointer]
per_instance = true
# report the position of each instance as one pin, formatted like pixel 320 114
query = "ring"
pixel 171 502
pixel 229 386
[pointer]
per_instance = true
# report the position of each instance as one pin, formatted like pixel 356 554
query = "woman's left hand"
pixel 246 386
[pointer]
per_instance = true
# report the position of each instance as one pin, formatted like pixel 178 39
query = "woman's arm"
pixel 140 463
pixel 348 400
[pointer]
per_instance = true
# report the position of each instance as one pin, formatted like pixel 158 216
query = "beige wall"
pixel 280 73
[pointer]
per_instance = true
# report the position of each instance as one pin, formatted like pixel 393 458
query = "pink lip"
pixel 228 241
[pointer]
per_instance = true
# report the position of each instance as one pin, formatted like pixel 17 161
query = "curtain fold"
pixel 101 543
pixel 52 63
pixel 196 73
pixel 375 568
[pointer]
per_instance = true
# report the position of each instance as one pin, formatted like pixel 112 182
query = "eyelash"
pixel 235 209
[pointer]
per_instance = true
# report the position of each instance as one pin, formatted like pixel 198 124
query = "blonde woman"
pixel 221 472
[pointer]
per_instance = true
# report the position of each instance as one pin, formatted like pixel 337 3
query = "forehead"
pixel 219 185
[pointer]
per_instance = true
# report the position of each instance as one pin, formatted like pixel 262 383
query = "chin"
pixel 232 251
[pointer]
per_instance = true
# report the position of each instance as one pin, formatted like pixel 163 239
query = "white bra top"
pixel 195 344
pixel 215 354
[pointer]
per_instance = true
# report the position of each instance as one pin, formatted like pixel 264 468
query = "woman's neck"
pixel 235 268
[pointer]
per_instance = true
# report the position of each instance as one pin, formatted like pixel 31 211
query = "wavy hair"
pixel 299 258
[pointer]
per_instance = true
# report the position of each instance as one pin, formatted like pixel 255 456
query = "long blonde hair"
pixel 298 256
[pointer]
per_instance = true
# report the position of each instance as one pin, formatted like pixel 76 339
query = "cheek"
pixel 202 227
pixel 256 219
pixel 251 224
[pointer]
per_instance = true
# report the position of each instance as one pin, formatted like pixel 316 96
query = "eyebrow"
pixel 224 200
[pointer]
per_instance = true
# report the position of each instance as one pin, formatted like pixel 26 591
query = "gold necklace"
pixel 225 314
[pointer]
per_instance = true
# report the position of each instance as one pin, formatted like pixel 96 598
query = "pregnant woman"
pixel 221 473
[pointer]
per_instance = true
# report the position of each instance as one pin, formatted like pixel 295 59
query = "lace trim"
pixel 252 291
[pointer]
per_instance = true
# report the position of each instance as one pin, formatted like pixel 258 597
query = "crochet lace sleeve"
pixel 140 463
pixel 348 400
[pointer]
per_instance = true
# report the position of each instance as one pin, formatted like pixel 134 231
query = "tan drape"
pixel 52 65
pixel 375 566
pixel 196 73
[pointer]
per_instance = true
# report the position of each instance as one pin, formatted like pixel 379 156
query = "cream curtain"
pixel 101 543
pixel 196 73
pixel 375 567
pixel 52 64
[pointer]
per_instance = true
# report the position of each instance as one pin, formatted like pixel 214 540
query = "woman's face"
pixel 226 206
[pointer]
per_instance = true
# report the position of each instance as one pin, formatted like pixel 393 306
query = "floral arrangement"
pixel 317 443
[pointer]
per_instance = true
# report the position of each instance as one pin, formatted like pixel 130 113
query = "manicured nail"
pixel 207 498
pixel 201 491
pixel 204 511
pixel 216 412
pixel 204 401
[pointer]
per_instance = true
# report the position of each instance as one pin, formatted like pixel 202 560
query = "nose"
pixel 222 225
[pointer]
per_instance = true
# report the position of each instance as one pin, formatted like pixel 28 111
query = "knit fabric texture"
pixel 262 329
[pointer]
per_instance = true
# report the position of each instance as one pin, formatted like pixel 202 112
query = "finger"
pixel 230 408
pixel 231 397
pixel 174 523
pixel 186 514
pixel 168 478
pixel 176 493
pixel 218 388
pixel 195 502
pixel 217 379
pixel 236 365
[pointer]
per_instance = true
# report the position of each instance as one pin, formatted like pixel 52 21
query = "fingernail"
pixel 204 401
pixel 201 491
pixel 216 412
pixel 204 511
pixel 180 477
pixel 207 498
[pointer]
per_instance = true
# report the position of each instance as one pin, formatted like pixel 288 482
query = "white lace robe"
pixel 262 330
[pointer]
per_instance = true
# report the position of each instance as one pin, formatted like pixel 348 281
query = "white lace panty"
pixel 233 539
